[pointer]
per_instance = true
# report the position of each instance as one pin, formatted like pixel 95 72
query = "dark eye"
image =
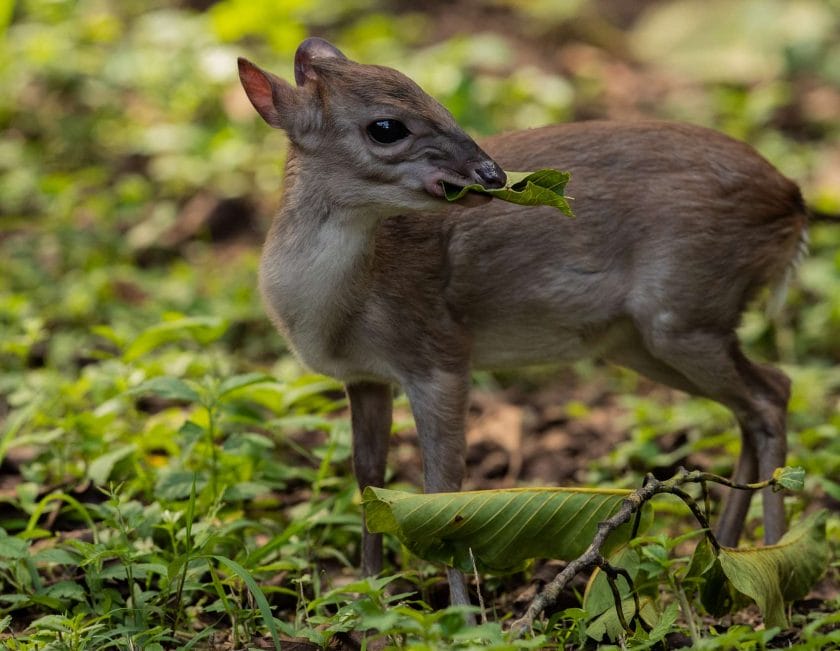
pixel 387 132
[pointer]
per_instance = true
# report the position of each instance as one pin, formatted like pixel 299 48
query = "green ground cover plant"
pixel 171 478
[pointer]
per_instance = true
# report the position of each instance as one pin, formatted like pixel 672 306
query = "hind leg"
pixel 730 525
pixel 763 449
pixel 713 364
pixel 767 427
pixel 731 521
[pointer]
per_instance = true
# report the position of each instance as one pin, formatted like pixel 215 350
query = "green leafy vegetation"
pixel 171 478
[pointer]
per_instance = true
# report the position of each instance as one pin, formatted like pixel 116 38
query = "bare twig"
pixel 619 607
pixel 478 588
pixel 698 513
pixel 589 558
pixel 688 615
pixel 631 505
pixel 695 477
pixel 611 573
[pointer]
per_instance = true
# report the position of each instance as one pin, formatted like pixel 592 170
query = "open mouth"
pixel 447 183
pixel 451 188
pixel 440 185
pixel 471 199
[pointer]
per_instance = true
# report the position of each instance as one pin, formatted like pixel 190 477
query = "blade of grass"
pixel 188 542
pixel 64 497
pixel 259 597
pixel 220 590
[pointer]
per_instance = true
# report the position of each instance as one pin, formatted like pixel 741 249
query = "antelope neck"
pixel 314 272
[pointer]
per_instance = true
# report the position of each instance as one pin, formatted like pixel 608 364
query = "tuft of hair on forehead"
pixel 373 84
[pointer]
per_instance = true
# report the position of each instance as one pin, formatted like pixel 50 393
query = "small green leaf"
pixel 191 431
pixel 173 570
pixel 57 623
pixel 790 478
pixel 541 188
pixel 203 330
pixel 609 625
pixel 701 560
pixel 177 484
pixel 171 388
pixel 665 623
pixel 57 556
pixel 13 548
pixel 66 590
pixel 240 381
pixel 100 468
pixel 244 490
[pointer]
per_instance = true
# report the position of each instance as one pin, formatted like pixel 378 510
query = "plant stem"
pixel 687 613
pixel 478 588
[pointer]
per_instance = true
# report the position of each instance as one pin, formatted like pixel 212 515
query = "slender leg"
pixel 731 522
pixel 370 412
pixel 439 404
pixel 634 355
pixel 767 429
pixel 757 395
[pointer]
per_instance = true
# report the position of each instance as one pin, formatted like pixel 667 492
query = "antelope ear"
pixel 313 48
pixel 274 99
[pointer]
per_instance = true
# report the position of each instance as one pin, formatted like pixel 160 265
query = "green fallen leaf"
pixel 503 528
pixel 770 576
pixel 540 188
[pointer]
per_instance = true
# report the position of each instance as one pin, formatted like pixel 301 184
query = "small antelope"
pixel 376 280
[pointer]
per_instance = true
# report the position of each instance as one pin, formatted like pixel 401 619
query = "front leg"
pixel 370 414
pixel 439 404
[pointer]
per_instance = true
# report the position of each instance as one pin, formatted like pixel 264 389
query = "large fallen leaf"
pixel 541 188
pixel 770 576
pixel 503 528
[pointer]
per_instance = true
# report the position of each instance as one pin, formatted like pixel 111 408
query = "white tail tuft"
pixel 778 293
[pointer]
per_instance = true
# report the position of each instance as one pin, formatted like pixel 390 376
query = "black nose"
pixel 488 174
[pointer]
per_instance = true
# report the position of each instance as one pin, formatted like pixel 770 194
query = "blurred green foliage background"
pixel 136 180
pixel 136 183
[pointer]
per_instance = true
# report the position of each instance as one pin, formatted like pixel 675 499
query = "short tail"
pixel 778 292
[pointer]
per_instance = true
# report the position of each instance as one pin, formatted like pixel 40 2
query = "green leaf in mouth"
pixel 541 188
